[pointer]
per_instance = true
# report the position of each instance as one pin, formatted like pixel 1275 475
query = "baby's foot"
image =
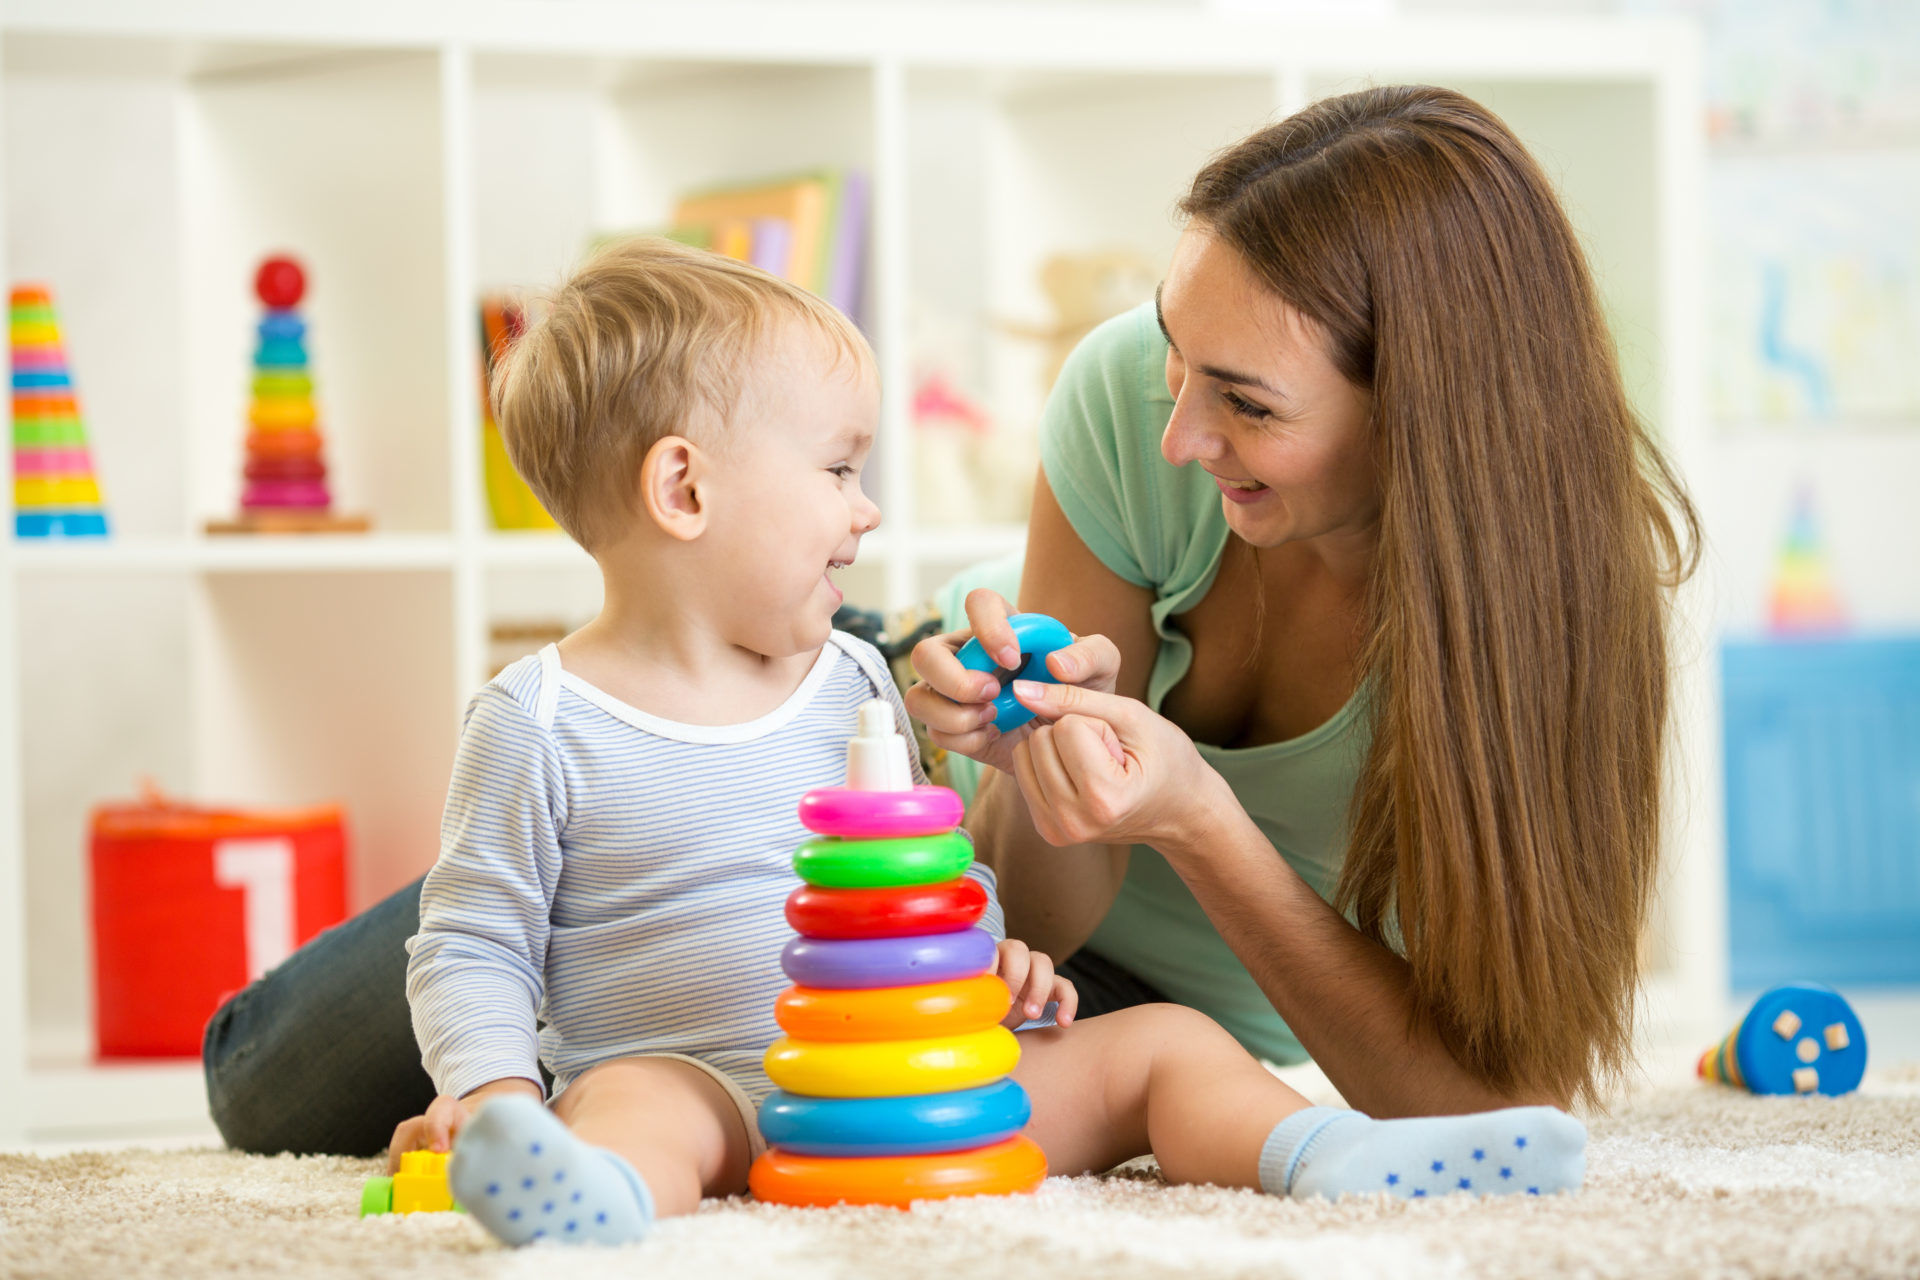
pixel 1322 1151
pixel 519 1171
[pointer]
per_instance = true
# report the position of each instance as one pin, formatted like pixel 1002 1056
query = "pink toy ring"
pixel 880 815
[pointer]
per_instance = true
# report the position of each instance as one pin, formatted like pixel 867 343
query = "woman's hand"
pixel 1108 770
pixel 446 1116
pixel 1030 976
pixel 956 704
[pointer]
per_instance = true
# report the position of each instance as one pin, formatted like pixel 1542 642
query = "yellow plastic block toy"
pixel 419 1187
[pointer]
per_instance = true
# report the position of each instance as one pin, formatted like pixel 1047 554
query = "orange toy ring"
pixel 1005 1168
pixel 893 1013
pixel 284 443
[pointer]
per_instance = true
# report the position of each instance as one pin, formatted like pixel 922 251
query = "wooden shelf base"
pixel 291 522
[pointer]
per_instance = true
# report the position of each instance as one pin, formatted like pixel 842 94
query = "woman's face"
pixel 1259 405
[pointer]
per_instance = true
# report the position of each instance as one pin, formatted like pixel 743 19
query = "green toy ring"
pixel 832 863
pixel 376 1197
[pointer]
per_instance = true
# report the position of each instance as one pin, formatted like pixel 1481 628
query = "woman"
pixel 1369 558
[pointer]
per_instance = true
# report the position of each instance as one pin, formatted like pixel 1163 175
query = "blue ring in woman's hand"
pixel 1038 636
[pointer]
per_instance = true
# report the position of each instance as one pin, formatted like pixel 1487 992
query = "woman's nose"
pixel 1186 440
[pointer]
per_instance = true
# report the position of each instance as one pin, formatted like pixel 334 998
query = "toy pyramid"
pixel 1803 600
pixel 892 1077
pixel 55 493
pixel 285 489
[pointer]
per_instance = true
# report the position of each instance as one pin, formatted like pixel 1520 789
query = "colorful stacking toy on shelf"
pixel 55 493
pixel 1798 1038
pixel 892 1073
pixel 285 478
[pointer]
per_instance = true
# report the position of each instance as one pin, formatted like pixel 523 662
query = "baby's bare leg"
pixel 670 1120
pixel 1157 1078
pixel 627 1142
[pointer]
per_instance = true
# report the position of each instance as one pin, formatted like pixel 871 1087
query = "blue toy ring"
pixel 915 1125
pixel 1037 635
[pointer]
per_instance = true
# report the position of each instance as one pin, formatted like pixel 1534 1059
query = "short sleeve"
pixel 1100 445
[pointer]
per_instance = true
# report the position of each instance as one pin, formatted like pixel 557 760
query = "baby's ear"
pixel 673 479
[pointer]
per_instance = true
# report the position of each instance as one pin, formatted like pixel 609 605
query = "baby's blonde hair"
pixel 647 339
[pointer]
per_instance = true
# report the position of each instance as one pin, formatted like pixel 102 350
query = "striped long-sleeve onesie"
pixel 611 884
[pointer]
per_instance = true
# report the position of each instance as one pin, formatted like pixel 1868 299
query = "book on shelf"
pixel 809 228
pixel 510 502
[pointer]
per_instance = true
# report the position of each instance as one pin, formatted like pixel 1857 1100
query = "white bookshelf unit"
pixel 415 154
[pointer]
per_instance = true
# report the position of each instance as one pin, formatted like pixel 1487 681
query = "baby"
pixel 615 857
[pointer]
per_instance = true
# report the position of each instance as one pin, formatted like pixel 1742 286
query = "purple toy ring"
pixel 888 962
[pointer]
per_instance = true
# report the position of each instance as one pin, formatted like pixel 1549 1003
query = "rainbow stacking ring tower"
pixel 1800 1038
pixel 892 1073
pixel 284 486
pixel 55 492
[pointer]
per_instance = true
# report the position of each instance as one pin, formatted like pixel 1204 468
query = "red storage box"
pixel 189 905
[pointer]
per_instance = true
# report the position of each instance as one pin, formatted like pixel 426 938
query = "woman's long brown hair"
pixel 1506 824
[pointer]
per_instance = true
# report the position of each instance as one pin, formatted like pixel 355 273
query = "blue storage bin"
pixel 1823 811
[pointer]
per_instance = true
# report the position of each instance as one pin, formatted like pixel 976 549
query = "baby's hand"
pixel 1030 976
pixel 436 1130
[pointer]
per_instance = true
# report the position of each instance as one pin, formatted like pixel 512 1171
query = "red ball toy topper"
pixel 280 283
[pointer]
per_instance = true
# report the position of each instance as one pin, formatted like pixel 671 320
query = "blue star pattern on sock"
pixel 1323 1151
pixel 515 1142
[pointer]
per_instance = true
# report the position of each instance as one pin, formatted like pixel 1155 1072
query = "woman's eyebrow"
pixel 1213 370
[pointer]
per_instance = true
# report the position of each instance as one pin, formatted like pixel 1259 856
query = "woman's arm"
pixel 1109 769
pixel 1348 999
pixel 1054 897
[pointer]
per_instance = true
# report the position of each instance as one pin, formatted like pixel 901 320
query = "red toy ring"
pixel 886 913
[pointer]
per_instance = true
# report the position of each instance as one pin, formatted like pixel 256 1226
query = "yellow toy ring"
pixel 893 1013
pixel 891 1068
pixel 1005 1168
pixel 282 415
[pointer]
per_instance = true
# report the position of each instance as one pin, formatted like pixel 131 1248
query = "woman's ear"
pixel 674 478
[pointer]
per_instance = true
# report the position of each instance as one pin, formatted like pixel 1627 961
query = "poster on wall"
pixel 1816 288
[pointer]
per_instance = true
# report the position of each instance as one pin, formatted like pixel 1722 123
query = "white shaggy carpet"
pixel 1683 1180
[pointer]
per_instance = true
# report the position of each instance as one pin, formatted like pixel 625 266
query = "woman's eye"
pixel 1245 408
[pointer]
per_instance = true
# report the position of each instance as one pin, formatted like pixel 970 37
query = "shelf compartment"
pixel 307 553
pixel 336 161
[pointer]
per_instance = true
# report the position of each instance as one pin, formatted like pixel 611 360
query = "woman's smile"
pixel 1241 491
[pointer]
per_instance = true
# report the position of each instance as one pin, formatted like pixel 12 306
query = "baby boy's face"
pixel 790 510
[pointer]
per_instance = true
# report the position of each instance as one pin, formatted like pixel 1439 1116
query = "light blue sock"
pixel 519 1171
pixel 1324 1151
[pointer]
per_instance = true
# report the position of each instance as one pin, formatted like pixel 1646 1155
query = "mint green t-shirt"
pixel 1161 526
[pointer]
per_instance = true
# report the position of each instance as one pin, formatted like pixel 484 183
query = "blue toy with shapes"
pixel 1797 1038
pixel 1038 636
